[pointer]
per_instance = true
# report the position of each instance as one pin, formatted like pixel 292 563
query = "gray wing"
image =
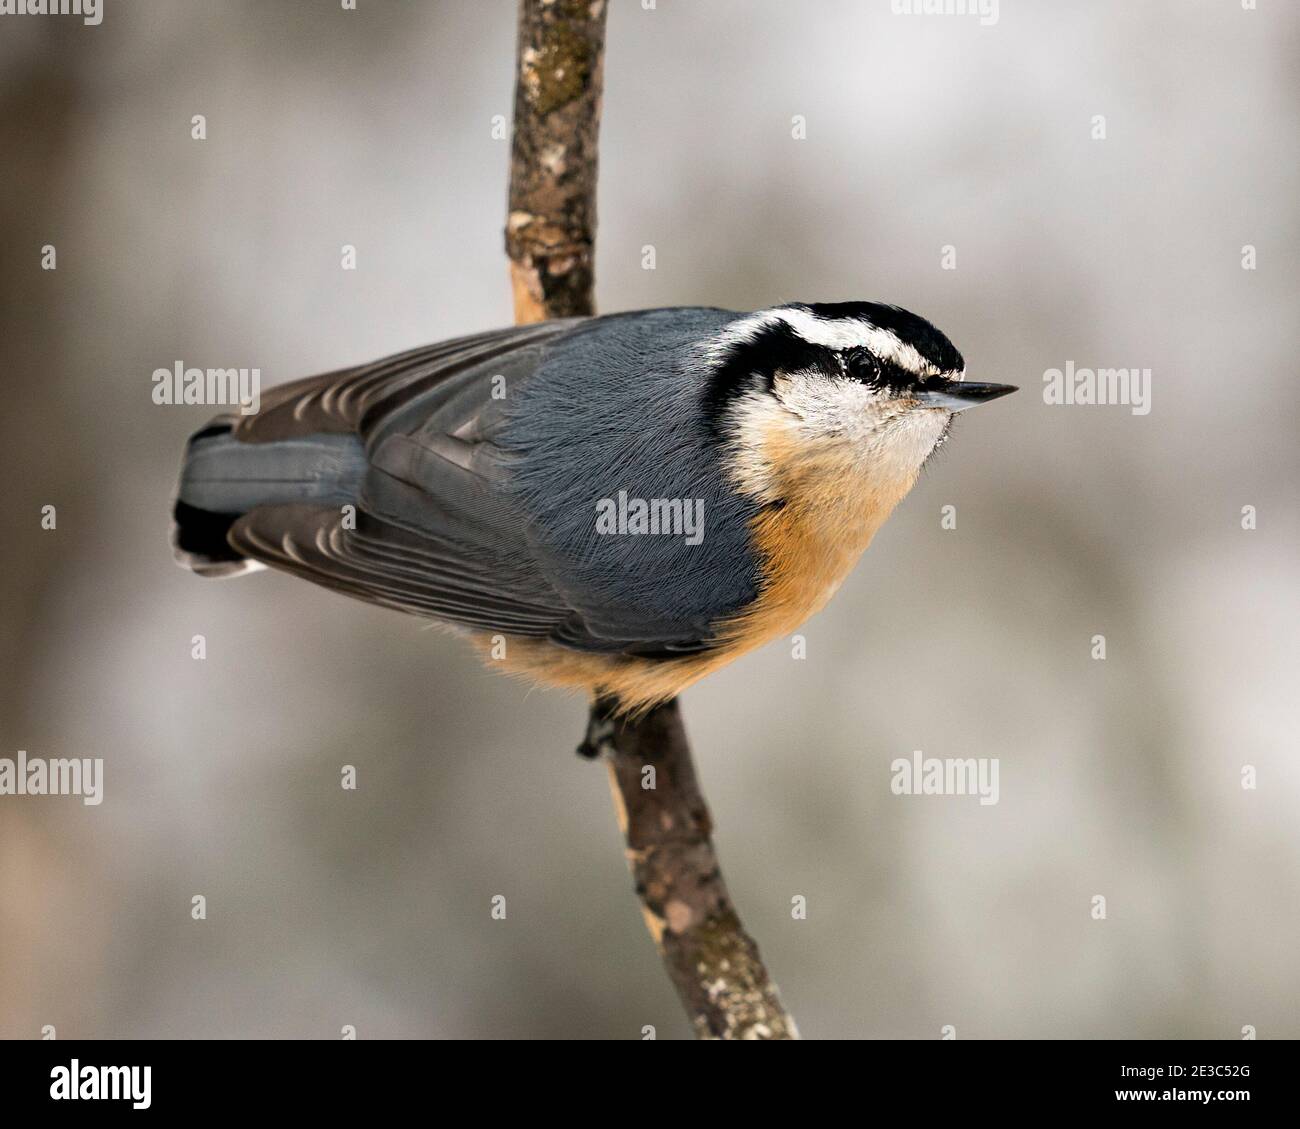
pixel 438 530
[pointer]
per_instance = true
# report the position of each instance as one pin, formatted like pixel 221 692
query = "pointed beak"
pixel 958 395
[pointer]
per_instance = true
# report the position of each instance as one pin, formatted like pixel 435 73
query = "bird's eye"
pixel 862 365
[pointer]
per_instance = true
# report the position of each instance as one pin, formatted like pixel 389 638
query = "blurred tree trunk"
pixel 42 122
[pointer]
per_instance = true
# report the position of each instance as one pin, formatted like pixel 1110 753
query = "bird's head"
pixel 855 388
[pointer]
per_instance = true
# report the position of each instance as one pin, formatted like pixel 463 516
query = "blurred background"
pixel 374 128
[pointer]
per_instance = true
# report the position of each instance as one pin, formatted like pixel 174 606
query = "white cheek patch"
pixel 829 406
pixel 887 439
pixel 874 435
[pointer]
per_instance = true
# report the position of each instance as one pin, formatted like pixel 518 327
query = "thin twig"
pixel 550 237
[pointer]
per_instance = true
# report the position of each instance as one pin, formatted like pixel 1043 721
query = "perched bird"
pixel 618 504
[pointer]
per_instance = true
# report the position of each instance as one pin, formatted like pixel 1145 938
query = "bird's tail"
pixel 222 478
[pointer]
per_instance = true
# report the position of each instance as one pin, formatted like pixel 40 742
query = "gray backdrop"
pixel 1120 778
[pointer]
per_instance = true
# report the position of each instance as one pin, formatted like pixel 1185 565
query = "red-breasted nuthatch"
pixel 620 504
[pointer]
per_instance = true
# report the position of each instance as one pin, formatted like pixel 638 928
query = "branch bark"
pixel 713 963
pixel 551 223
pixel 550 237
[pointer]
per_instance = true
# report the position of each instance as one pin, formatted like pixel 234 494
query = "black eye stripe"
pixel 863 365
pixel 777 347
pixel 774 348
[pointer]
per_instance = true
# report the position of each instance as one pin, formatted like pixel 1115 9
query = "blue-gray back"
pixel 486 459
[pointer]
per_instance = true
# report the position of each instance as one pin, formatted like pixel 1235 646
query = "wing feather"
pixel 434 533
pixel 442 529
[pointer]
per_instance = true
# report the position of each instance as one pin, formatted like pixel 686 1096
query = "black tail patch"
pixel 200 533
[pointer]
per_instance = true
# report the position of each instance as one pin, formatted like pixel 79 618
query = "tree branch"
pixel 550 236
pixel 551 223
pixel 714 964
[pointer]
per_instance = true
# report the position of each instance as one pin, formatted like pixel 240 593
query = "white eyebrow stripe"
pixel 836 333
